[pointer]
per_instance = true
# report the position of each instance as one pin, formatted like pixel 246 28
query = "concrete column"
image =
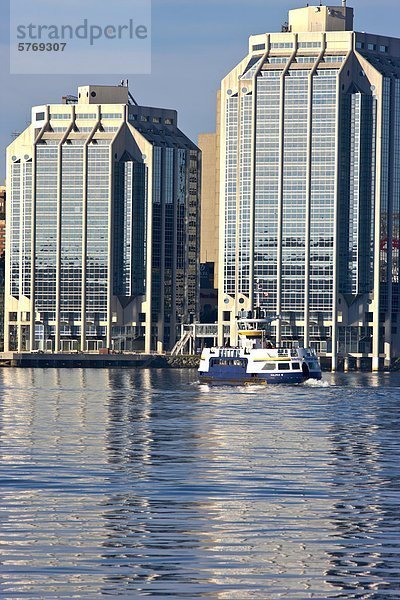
pixel 237 223
pixel 173 336
pixel 308 198
pixel 253 176
pixel 58 250
pixel 376 307
pixel 110 278
pixel 335 295
pixel 308 216
pixel 110 257
pixel 84 232
pixel 280 194
pixel 234 331
pixel 149 251
pixel 161 315
pixel 390 225
pixel 19 333
pixel 33 254
pixel 33 240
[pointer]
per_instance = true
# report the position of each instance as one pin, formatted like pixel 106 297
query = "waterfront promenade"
pixel 96 360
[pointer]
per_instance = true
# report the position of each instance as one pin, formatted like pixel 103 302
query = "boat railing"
pixel 226 352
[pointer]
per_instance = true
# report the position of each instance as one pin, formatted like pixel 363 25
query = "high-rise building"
pixel 310 186
pixel 209 144
pixel 102 226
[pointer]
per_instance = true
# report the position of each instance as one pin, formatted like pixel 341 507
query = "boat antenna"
pixel 344 2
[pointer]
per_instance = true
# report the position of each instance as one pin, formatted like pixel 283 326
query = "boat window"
pixel 269 367
pixel 296 366
pixel 284 366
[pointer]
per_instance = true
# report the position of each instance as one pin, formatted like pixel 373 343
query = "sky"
pixel 195 43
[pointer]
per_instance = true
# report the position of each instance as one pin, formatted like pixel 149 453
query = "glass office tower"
pixel 310 150
pixel 103 233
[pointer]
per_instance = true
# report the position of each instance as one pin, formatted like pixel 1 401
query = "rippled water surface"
pixel 144 483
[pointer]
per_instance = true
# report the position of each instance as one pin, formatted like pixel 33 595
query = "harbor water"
pixel 144 483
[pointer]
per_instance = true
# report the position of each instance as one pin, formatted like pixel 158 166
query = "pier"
pixel 94 360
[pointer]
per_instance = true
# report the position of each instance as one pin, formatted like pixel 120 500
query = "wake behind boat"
pixel 256 360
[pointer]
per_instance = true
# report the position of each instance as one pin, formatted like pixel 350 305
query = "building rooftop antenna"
pixel 125 83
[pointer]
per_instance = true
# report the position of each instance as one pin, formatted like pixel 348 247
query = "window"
pixel 269 367
pixel 111 115
pixel 334 58
pixel 63 116
pixel 278 59
pixel 258 47
pixel 13 316
pixel 227 316
pixel 306 59
pixel 169 121
pixel 360 45
pixel 156 120
pixel 371 47
pixel 40 116
pixel 276 45
pixel 383 49
pixel 296 366
pixel 86 116
pixel 309 45
pixel 284 366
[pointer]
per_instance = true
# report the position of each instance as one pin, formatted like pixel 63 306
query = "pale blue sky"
pixel 195 43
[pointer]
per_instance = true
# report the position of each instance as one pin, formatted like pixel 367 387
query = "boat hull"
pixel 256 379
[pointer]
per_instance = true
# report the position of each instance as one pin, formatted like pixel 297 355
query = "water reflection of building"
pixel 364 548
pixel 151 439
pixel 310 149
pixel 51 455
pixel 215 503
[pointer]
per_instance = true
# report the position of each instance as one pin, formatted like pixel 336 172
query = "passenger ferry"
pixel 256 360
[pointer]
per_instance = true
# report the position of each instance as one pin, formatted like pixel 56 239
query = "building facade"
pixel 209 144
pixel 102 227
pixel 310 197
